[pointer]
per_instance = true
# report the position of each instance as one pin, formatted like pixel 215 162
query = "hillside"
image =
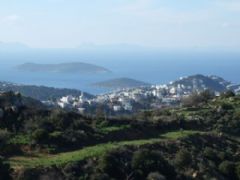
pixel 121 83
pixel 75 67
pixel 199 83
pixel 41 93
pixel 196 142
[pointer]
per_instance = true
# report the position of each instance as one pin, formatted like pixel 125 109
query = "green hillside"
pixel 199 140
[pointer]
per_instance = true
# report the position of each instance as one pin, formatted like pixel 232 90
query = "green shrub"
pixel 228 94
pixel 228 169
pixel 237 171
pixel 99 176
pixel 148 161
pixel 4 170
pixel 40 135
pixel 4 135
pixel 116 163
pixel 155 176
pixel 56 134
pixel 210 154
pixel 183 158
pixel 226 106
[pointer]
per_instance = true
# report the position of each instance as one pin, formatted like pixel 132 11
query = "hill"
pixel 121 83
pixel 200 83
pixel 41 93
pixel 16 100
pixel 173 143
pixel 74 67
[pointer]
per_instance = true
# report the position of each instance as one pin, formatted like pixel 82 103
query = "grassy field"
pixel 114 128
pixel 44 160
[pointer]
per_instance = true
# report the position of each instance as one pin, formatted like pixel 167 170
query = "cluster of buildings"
pixel 135 99
pixel 72 102
pixel 126 100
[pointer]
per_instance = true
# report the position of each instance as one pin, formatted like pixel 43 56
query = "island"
pixel 73 67
pixel 120 83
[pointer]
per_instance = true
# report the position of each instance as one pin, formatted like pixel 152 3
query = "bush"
pixel 228 94
pixel 210 154
pixel 237 171
pixel 228 169
pixel 195 99
pixel 226 106
pixel 40 135
pixel 116 164
pixel 183 158
pixel 100 176
pixel 4 138
pixel 155 176
pixel 147 161
pixel 4 170
pixel 72 170
pixel 4 135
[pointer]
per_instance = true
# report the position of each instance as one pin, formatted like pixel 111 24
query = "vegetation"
pixel 44 160
pixel 41 93
pixel 197 141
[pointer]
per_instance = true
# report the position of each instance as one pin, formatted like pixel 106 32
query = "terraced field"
pixel 46 160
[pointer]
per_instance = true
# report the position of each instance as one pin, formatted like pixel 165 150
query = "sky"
pixel 151 23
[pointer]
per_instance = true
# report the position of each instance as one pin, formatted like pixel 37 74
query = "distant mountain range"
pixel 74 67
pixel 120 83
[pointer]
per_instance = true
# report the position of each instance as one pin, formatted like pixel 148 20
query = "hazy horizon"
pixel 149 23
pixel 149 40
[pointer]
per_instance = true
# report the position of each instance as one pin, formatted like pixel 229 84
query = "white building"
pixel 128 107
pixel 62 104
pixel 81 110
pixel 117 108
pixel 67 99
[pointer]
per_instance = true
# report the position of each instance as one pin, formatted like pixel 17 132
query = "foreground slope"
pixel 197 141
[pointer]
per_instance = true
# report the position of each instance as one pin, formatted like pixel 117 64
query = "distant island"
pixel 74 67
pixel 121 83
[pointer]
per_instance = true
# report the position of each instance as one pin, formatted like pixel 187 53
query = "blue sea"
pixel 156 67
